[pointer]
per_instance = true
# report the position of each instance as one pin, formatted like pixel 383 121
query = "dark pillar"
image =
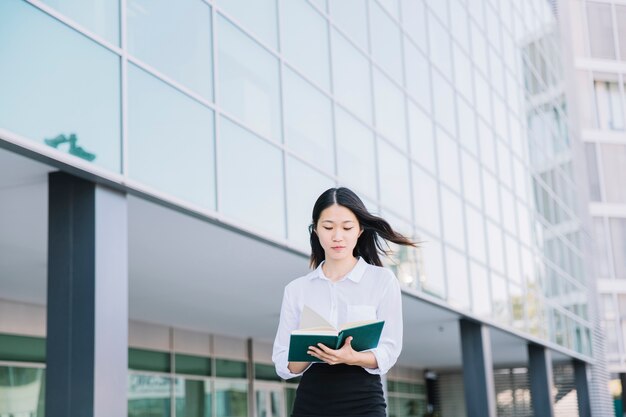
pixel 622 380
pixel 540 373
pixel 477 370
pixel 582 388
pixel 87 311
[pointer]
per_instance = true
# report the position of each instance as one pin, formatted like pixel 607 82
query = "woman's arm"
pixel 297 367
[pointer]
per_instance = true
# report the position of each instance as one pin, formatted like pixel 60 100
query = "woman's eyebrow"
pixel 345 221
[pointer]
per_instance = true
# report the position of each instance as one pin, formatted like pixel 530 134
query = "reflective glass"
pixel 471 179
pixel 417 75
pixel 448 156
pixel 351 17
pixel 481 294
pixel 496 247
pixel 459 24
pixel 609 108
pixel 248 81
pixel 23 391
pixel 482 95
pixel 174 40
pixel 513 267
pixel 414 22
pixel 487 146
pixel 504 163
pixel 516 297
pixel 389 105
pixel 391 6
pixel 425 201
pixel 618 239
pixel 467 126
pixel 193 398
pixel 158 118
pixel 490 192
pixel 614 172
pixel 261 181
pixel 440 9
pixel 351 78
pixel 61 89
pixel 439 40
pixel 101 17
pixel 393 169
pixel 452 212
pixel 475 233
pixel 432 279
pixel 592 172
pixel 443 95
pixel 500 298
pixel 479 46
pixel 458 281
pixel 356 156
pixel 463 74
pixel 385 39
pixel 259 17
pixel 149 395
pixel 300 200
pixel 231 398
pixel 600 248
pixel 304 40
pixel 600 29
pixel 308 121
pixel 422 137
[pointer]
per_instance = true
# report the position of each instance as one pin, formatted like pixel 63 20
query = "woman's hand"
pixel 345 354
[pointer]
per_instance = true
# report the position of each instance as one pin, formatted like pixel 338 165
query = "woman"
pixel 348 284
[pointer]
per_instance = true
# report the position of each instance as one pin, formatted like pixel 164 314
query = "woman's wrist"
pixel 364 359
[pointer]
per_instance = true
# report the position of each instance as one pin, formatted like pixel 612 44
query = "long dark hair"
pixel 374 228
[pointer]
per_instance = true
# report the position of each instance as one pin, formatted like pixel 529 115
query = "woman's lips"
pixel 338 247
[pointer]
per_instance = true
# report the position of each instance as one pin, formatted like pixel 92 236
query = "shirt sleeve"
pixel 288 322
pixel 390 344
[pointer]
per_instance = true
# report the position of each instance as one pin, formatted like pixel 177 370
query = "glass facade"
pixel 448 117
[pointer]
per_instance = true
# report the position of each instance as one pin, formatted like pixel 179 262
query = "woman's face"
pixel 338 231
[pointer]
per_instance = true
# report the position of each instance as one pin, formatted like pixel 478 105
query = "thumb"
pixel 348 341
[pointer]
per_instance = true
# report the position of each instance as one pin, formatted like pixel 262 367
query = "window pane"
pixel 444 103
pixel 467 126
pixel 448 156
pixel 600 30
pixel 261 182
pixel 496 252
pixel 417 75
pixel 17 348
pixel 149 395
pixel 475 233
pixel 304 40
pixel 452 212
pixel 356 158
pixel 439 39
pixel 351 17
pixel 490 190
pixel 193 398
pixel 618 238
pixel 231 368
pixel 609 105
pixel 620 17
pixel 425 201
pixel 99 16
pixel 351 78
pixel 614 170
pixel 385 38
pixel 170 140
pixel 394 179
pixel 308 121
pixel 389 105
pixel 422 137
pixel 231 398
pixel 471 179
pixel 257 17
pixel 500 299
pixel 414 21
pixel 481 295
pixel 592 172
pixel 23 391
pixel 61 89
pixel 248 81
pixel 176 40
pixel 149 360
pixel 300 199
pixel 601 249
pixel 456 271
pixel 430 264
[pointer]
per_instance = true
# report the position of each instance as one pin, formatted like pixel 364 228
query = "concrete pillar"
pixel 87 310
pixel 478 381
pixel 540 373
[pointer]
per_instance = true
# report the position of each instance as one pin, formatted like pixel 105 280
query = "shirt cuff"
pixel 380 370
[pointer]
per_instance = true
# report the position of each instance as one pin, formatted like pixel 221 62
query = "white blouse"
pixel 367 292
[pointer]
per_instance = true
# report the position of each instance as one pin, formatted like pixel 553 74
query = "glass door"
pixel 269 399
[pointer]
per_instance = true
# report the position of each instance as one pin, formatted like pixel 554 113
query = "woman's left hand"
pixel 345 354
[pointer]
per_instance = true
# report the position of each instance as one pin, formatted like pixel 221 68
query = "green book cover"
pixel 365 336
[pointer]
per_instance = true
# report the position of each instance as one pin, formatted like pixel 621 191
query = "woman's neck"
pixel 334 270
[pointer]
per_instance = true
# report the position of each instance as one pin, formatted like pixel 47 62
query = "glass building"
pixel 160 160
pixel 599 52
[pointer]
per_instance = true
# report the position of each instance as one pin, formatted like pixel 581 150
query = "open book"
pixel 315 329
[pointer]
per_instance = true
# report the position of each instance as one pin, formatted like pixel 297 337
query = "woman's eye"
pixel 328 228
pixel 348 229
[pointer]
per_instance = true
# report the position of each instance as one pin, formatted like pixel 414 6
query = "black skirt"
pixel 339 391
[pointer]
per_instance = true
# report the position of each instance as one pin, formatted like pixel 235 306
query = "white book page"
pixel 310 319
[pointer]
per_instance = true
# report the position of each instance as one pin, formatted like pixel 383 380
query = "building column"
pixel 87 310
pixel 582 388
pixel 540 373
pixel 622 380
pixel 478 382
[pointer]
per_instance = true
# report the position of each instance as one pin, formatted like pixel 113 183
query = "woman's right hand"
pixel 297 367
